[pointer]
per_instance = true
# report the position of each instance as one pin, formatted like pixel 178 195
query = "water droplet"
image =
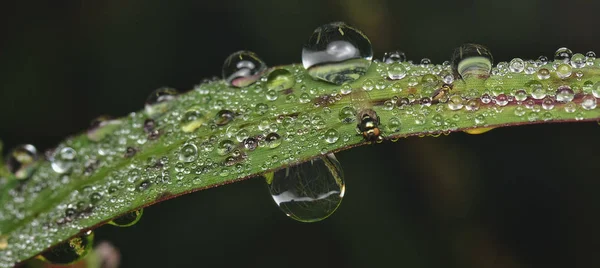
pixel 477 131
pixel 564 94
pixel 472 60
pixel 563 71
pixel 332 135
pixel 501 100
pixel 272 95
pixel 280 79
pixel 250 143
pixel 347 115
pixel 310 191
pixel 101 127
pixel 149 125
pixel 563 54
pixel 455 102
pixel 547 103
pixel 588 102
pixel 144 185
pixel 273 140
pixel 127 219
pixel 394 56
pixel 543 74
pixel 396 71
pixel 69 251
pixel 394 124
pixel 537 89
pixel 224 117
pixel 447 77
pixel 188 153
pixel 596 90
pixel 337 53
pixel 346 89
pixel 516 65
pixel 578 60
pixel 225 146
pixel 63 161
pixel 158 101
pixel 21 161
pixel 242 68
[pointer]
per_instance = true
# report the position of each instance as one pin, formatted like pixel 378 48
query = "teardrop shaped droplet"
pixel 337 53
pixel 243 68
pixel 21 161
pixel 310 191
pixel 280 79
pixel 472 60
pixel 158 101
pixel 127 219
pixel 70 251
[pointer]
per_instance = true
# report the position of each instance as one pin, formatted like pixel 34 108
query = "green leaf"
pixel 127 164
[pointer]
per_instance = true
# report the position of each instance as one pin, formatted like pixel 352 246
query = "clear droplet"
pixel 159 100
pixel 337 53
pixel 455 102
pixel 578 60
pixel 564 94
pixel 69 251
pixel 273 140
pixel 394 56
pixel 63 161
pixel 127 219
pixel 516 65
pixel 280 79
pixel 563 71
pixel 21 161
pixel 242 68
pixel 188 153
pixel 347 115
pixel 543 74
pixel 224 117
pixel 225 146
pixel 192 119
pixel 563 54
pixel 588 102
pixel 332 135
pixel 101 127
pixel 596 90
pixel 310 191
pixel 396 71
pixel 472 60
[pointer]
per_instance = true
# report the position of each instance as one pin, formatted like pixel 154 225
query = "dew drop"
pixel 158 101
pixel 347 115
pixel 394 56
pixel 455 102
pixel 127 219
pixel 250 143
pixel 332 135
pixel 188 153
pixel 596 90
pixel 563 54
pixel 396 71
pixel 543 74
pixel 516 65
pixel 547 103
pixel 144 185
pixel 273 140
pixel 394 124
pixel 564 94
pixel 578 60
pixel 563 71
pixel 224 117
pixel 21 161
pixel 310 191
pixel 225 146
pixel 588 102
pixel 63 161
pixel 472 60
pixel 192 119
pixel 337 53
pixel 280 79
pixel 101 127
pixel 242 68
pixel 69 251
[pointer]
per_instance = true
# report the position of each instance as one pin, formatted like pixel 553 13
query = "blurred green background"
pixel 513 197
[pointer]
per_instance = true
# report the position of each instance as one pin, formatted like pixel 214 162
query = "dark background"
pixel 513 197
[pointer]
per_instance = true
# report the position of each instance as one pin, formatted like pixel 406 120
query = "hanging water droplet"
pixel 127 219
pixel 578 60
pixel 224 117
pixel 472 60
pixel 563 71
pixel 332 135
pixel 69 251
pixel 101 127
pixel 394 56
pixel 563 54
pixel 310 191
pixel 588 102
pixel 280 79
pixel 396 71
pixel 63 161
pixel 337 53
pixel 158 101
pixel 273 140
pixel 516 65
pixel 188 153
pixel 21 161
pixel 242 68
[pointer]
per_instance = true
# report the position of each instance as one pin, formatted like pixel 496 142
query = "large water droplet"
pixel 188 153
pixel 472 60
pixel 563 71
pixel 396 71
pixel 280 79
pixel 337 53
pixel 158 101
pixel 21 161
pixel 563 54
pixel 69 251
pixel 242 68
pixel 63 161
pixel 588 102
pixel 128 219
pixel 310 191
pixel 273 140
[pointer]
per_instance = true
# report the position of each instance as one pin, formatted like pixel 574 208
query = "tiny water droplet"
pixel 145 184
pixel 337 53
pixel 563 54
pixel 242 68
pixel 224 117
pixel 127 219
pixel 394 56
pixel 280 79
pixel 347 115
pixel 158 101
pixel 188 153
pixel 396 71
pixel 63 161
pixel 69 251
pixel 310 191
pixel 472 60
pixel 455 102
pixel 21 161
